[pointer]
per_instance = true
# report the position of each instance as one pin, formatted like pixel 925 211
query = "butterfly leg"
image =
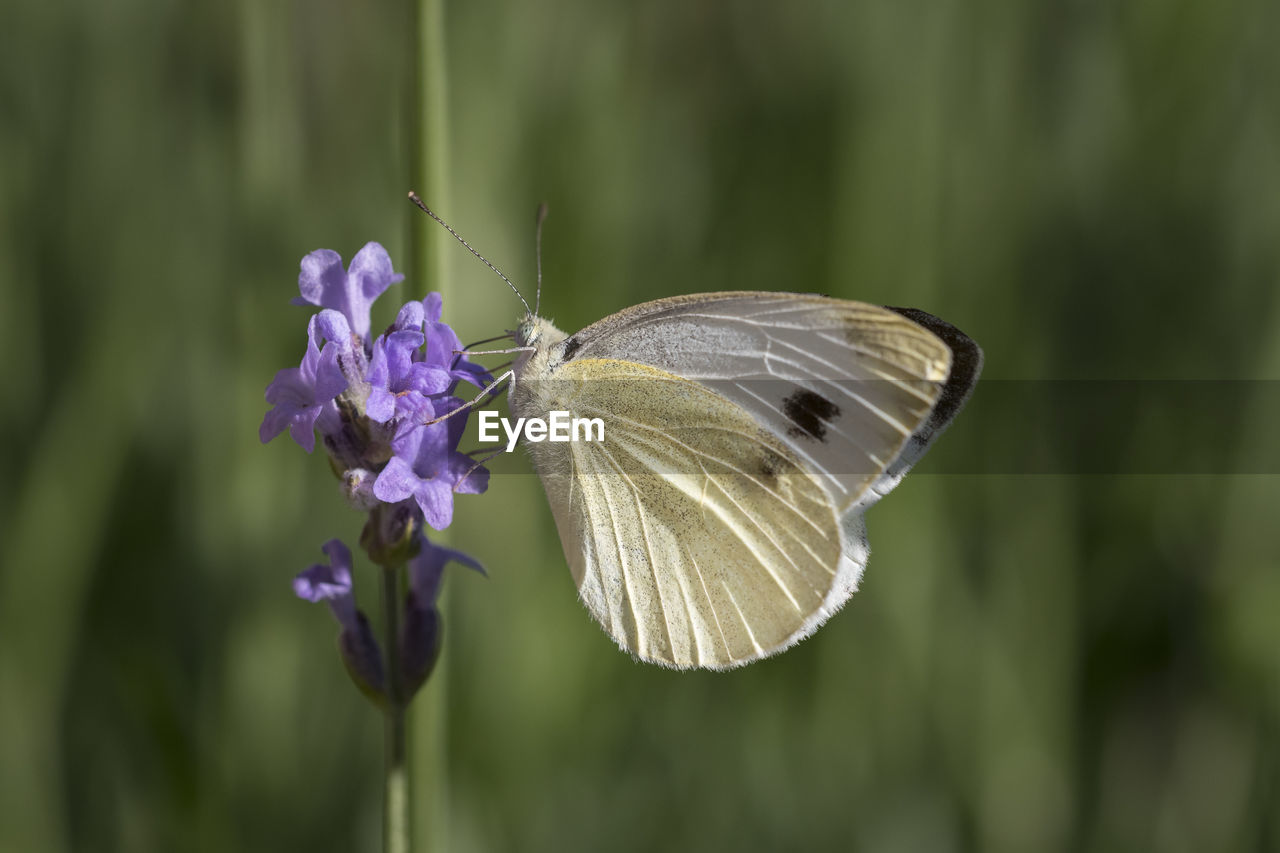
pixel 493 351
pixel 474 401
pixel 472 469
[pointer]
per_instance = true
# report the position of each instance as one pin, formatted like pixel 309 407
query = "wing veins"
pixel 745 624
pixel 912 373
pixel 861 447
pixel 711 604
pixel 594 564
pixel 648 547
pixel 734 526
pixel 622 564
pixel 794 510
pixel 884 416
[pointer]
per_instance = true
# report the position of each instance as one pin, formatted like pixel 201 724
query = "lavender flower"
pixel 442 342
pixel 420 637
pixel 371 400
pixel 428 468
pixel 325 283
pixel 332 583
pixel 303 396
pixel 399 386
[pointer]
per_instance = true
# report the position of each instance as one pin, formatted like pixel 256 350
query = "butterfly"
pixel 720 519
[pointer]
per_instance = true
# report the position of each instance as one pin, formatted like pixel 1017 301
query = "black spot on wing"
pixel 809 414
pixel 571 345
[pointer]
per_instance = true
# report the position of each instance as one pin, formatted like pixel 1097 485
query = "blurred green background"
pixel 1035 662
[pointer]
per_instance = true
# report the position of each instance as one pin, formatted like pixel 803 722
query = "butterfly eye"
pixel 526 332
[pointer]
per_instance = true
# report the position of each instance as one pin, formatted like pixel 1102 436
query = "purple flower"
pixel 410 384
pixel 428 467
pixel 443 342
pixel 303 395
pixel 420 636
pixel 323 282
pixel 426 569
pixel 332 583
pixel 399 386
pixel 372 400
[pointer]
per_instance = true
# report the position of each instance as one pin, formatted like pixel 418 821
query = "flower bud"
pixel 419 643
pixel 363 659
pixel 357 485
pixel 389 534
pixel 423 629
pixel 332 585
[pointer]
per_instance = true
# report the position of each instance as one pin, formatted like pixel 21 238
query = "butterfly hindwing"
pixel 696 538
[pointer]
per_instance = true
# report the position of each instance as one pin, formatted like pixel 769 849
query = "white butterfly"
pixel 745 434
pixel 720 520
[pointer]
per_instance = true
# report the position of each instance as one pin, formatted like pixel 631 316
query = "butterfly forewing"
pixel 845 384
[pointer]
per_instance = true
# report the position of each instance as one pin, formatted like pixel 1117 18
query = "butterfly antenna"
pixel 413 197
pixel 542 214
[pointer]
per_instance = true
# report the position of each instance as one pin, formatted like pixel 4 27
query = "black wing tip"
pixel 966 364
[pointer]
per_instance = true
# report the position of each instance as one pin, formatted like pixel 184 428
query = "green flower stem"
pixel 427 151
pixel 396 833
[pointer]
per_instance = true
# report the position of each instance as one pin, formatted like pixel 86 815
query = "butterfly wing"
pixel 858 391
pixel 695 536
pixel 720 521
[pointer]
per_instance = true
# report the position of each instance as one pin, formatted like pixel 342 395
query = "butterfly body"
pixel 720 518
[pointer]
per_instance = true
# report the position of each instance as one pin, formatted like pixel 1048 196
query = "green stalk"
pixel 396 837
pixel 427 152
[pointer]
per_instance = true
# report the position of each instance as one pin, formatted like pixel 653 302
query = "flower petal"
pixel 424 447
pixel 471 373
pixel 396 481
pixel 331 583
pixel 277 420
pixel 330 378
pixel 427 380
pixel 427 567
pixel 410 317
pixel 400 347
pixel 321 274
pixel 302 427
pixel 332 325
pixel 435 499
pixel 432 306
pixel 368 276
pixel 323 282
pixel 317 583
pixel 441 343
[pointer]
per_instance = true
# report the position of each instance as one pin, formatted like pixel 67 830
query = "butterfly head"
pixel 529 330
pixel 540 339
pixel 534 331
